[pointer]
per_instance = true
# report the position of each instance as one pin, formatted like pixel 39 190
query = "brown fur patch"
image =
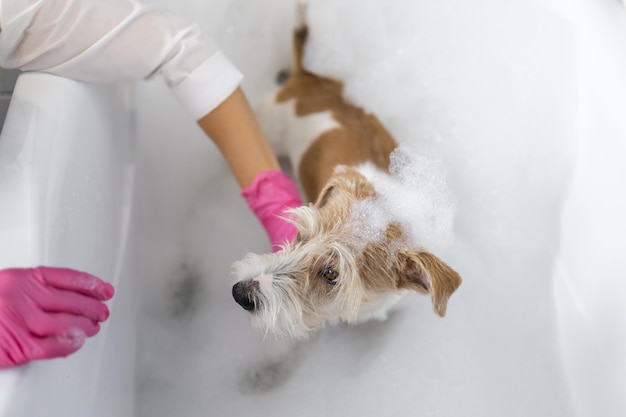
pixel 360 138
pixel 424 272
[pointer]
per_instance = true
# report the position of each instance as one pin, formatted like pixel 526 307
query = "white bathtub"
pixel 66 192
pixel 75 211
pixel 590 270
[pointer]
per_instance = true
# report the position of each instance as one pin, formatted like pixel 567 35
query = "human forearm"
pixel 267 190
pixel 236 132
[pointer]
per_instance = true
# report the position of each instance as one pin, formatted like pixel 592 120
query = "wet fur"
pixel 294 297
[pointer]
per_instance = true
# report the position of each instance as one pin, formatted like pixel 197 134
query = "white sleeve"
pixel 116 41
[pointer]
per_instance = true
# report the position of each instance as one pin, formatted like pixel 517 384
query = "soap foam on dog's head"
pixel 415 194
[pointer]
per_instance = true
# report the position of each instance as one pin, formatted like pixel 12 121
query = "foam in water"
pixel 415 194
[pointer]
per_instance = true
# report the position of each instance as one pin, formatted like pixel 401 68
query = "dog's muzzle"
pixel 245 293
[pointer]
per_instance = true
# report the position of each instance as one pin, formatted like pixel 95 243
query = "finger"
pixel 57 346
pixel 62 301
pixel 43 324
pixel 73 280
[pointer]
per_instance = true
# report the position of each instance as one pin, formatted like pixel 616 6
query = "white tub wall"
pixel 67 162
pixel 590 273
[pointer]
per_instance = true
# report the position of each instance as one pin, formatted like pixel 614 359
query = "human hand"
pixel 48 312
pixel 269 195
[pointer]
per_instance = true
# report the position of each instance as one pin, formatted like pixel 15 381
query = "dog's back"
pixel 343 265
pixel 352 136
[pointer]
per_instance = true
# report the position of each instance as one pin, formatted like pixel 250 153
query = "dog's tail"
pixel 300 35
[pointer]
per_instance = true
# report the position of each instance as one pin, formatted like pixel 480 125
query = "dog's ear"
pixel 427 274
pixel 325 196
pixel 346 181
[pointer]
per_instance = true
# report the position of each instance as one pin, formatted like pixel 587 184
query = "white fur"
pixel 381 305
pixel 290 134
pixel 281 311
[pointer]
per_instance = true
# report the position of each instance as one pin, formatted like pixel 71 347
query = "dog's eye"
pixel 330 275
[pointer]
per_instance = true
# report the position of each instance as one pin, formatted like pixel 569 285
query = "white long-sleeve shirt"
pixel 109 41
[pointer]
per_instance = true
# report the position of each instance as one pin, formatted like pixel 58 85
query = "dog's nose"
pixel 244 294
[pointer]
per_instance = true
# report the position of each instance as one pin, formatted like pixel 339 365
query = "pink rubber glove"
pixel 269 195
pixel 47 312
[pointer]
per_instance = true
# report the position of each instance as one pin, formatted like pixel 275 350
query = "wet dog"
pixel 341 266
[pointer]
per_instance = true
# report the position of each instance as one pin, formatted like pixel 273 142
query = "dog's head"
pixel 337 266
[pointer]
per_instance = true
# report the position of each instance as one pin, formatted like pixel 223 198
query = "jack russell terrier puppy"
pixel 335 270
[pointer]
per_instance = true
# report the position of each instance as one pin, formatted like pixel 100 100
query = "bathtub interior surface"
pixel 590 270
pixel 506 114
pixel 530 332
pixel 66 163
